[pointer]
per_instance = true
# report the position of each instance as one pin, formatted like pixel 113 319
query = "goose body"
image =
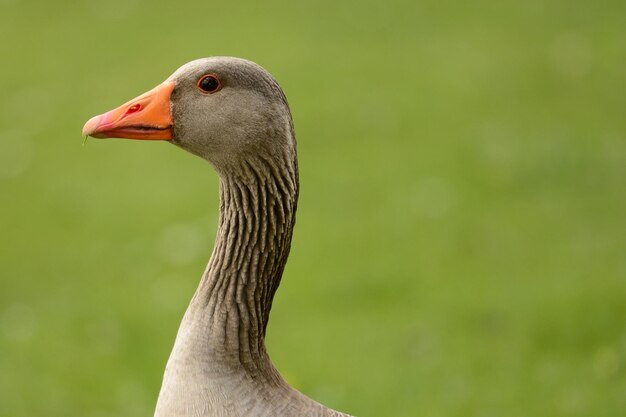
pixel 232 113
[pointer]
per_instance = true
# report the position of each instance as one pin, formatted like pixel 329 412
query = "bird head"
pixel 223 109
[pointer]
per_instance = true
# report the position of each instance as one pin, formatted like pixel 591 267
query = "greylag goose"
pixel 232 113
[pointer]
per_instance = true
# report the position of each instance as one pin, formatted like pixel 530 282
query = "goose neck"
pixel 257 215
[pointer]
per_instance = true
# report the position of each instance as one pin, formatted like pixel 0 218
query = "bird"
pixel 232 113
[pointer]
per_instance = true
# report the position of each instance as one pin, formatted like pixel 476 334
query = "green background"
pixel 461 240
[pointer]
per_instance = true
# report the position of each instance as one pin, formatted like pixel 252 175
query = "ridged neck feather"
pixel 257 216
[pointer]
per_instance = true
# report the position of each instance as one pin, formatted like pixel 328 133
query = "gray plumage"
pixel 219 365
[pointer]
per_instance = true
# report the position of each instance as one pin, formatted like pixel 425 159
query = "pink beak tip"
pixel 91 126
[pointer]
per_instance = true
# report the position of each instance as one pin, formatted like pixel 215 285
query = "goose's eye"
pixel 209 83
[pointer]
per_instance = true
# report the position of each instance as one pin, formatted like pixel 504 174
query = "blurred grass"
pixel 461 238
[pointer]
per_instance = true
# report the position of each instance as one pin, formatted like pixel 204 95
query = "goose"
pixel 231 112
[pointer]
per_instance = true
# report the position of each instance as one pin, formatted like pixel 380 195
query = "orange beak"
pixel 147 117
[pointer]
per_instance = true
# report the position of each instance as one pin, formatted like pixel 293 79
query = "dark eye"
pixel 209 83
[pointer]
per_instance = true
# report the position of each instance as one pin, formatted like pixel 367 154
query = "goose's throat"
pixel 257 215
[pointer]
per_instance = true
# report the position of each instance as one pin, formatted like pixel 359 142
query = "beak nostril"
pixel 133 109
